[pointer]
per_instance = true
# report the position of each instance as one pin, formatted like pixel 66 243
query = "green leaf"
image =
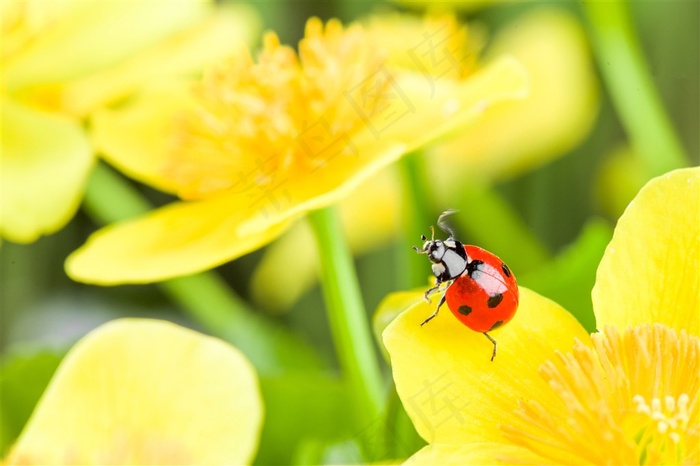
pixel 23 378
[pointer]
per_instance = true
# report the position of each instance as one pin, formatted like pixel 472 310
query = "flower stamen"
pixel 602 392
pixel 280 116
pixel 256 123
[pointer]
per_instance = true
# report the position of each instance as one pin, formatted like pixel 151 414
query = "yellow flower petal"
pixel 84 37
pixel 148 120
pixel 472 453
pixel 46 160
pixel 179 239
pixel 651 269
pixel 451 390
pixel 556 115
pixel 454 105
pixel 139 391
pixel 389 309
pixel 215 38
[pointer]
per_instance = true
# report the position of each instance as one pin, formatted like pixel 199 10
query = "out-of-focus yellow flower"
pixel 625 395
pixel 513 137
pixel 139 391
pixel 557 114
pixel 61 60
pixel 619 178
pixel 261 142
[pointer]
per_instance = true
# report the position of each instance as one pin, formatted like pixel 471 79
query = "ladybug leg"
pixel 493 355
pixel 431 291
pixel 442 301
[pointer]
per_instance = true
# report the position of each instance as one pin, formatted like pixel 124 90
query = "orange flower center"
pixel 630 399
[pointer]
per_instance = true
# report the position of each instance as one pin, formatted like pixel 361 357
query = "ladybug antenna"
pixel 442 222
pixel 416 248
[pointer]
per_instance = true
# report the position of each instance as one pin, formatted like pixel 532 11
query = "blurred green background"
pixel 565 204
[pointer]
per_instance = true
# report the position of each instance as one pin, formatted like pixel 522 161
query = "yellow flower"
pixel 139 391
pixel 63 59
pixel 259 143
pixel 513 137
pixel 627 394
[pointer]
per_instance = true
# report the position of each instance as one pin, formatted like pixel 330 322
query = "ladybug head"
pixel 448 257
pixel 433 248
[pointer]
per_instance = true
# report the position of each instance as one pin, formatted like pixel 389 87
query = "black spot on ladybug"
pixel 505 268
pixel 496 325
pixel 474 269
pixel 464 310
pixel 495 300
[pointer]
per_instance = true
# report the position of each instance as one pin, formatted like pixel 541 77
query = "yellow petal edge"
pixel 651 269
pixel 140 391
pixel 179 239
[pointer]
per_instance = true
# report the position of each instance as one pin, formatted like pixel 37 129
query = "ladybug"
pixel 481 290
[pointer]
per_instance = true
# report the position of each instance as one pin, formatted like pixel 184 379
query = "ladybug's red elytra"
pixel 481 290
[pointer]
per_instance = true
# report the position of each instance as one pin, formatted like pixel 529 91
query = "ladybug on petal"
pixel 481 290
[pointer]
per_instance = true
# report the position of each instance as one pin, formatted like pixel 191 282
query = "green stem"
pixel 631 87
pixel 412 270
pixel 347 316
pixel 205 297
